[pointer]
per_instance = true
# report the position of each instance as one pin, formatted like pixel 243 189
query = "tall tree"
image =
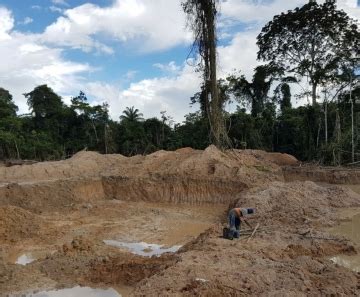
pixel 7 105
pixel 254 92
pixel 131 114
pixel 10 126
pixel 44 102
pixel 202 20
pixel 283 96
pixel 311 41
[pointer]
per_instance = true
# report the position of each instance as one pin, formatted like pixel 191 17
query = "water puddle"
pixel 74 292
pixel 25 259
pixel 350 230
pixel 183 231
pixel 350 262
pixel 143 248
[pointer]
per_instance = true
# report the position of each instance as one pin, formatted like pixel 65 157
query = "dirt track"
pixel 60 213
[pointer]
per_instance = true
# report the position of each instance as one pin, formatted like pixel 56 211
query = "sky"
pixel 125 52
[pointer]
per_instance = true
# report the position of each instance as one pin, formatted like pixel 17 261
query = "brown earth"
pixel 60 213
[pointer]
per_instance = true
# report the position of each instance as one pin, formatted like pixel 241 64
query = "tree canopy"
pixel 313 41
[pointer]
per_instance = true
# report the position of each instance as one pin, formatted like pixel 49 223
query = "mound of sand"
pixel 233 165
pixel 246 166
pixel 298 203
pixel 17 223
pixel 83 164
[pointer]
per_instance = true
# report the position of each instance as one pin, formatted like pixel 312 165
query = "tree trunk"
pixel 105 140
pixel 17 150
pixel 338 134
pixel 326 121
pixel 221 139
pixel 318 135
pixel 94 128
pixel 313 93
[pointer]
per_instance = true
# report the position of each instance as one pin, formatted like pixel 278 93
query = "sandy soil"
pixel 66 245
pixel 59 213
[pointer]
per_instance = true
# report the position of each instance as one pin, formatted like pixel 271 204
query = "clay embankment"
pixel 184 176
pixel 328 175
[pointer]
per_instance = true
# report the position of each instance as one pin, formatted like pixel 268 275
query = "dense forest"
pixel 315 44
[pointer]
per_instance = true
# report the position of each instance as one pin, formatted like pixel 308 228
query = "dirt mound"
pixel 273 158
pixel 298 203
pixel 17 223
pixel 185 150
pixel 232 165
pixel 282 159
pixel 246 166
pixel 83 164
pixel 275 264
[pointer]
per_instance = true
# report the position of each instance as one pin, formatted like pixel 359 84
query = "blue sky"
pixel 124 52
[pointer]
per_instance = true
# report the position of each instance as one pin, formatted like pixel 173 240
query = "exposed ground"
pixel 60 213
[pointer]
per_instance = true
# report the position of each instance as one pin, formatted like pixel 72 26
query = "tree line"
pixel 316 44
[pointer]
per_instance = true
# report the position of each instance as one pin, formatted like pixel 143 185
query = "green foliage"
pixel 313 41
pixel 7 106
pixel 255 92
pixel 131 114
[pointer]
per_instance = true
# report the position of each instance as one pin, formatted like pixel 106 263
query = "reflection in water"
pixel 143 248
pixel 350 230
pixel 25 259
pixel 77 292
pixel 351 262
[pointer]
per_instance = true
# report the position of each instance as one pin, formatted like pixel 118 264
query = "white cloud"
pixel 256 10
pixel 36 7
pixel 6 23
pixel 351 7
pixel 146 24
pixel 26 21
pixel 56 9
pixel 240 54
pixel 150 96
pixel 60 2
pixel 27 63
pixel 170 68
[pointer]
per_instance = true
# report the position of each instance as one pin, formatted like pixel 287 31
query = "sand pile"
pixel 234 165
pixel 17 223
pixel 247 166
pixel 276 158
pixel 83 164
pixel 298 203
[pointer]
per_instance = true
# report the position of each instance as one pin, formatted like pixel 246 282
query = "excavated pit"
pixel 60 213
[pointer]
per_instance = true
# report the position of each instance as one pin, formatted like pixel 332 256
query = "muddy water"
pixel 184 231
pixel 143 248
pixel 25 259
pixel 351 230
